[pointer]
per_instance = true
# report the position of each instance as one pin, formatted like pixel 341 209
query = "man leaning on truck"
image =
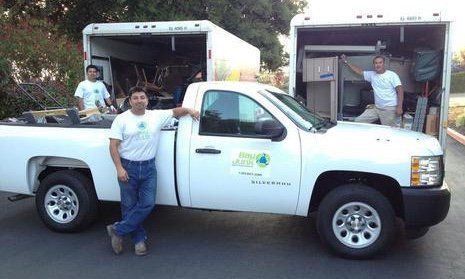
pixel 388 91
pixel 134 137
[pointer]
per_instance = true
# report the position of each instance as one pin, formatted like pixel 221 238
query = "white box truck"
pixel 416 46
pixel 163 55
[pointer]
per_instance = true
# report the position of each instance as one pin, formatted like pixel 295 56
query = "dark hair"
pixel 91 67
pixel 379 56
pixel 136 89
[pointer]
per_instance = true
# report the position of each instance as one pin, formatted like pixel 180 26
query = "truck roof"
pixel 156 28
pixel 370 17
pixel 149 27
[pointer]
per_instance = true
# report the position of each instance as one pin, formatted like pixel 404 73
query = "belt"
pixel 140 163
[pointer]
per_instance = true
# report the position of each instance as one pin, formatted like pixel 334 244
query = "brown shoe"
pixel 116 240
pixel 140 249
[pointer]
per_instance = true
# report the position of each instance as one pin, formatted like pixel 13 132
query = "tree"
pixel 256 21
pixel 31 49
pixel 458 61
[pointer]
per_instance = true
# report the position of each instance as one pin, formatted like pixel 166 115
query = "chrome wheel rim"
pixel 61 204
pixel 356 225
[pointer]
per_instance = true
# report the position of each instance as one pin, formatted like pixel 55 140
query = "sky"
pixel 453 9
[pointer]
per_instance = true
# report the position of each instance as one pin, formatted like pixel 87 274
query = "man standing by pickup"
pixel 91 92
pixel 389 94
pixel 134 138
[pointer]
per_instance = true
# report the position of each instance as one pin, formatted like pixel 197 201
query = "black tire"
pixel 346 238
pixel 73 189
pixel 414 233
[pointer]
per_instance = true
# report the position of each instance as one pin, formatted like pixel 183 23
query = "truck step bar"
pixel 18 197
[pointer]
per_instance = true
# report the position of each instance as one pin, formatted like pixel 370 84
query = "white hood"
pixel 367 148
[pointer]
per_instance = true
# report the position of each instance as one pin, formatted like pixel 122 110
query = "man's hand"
pixel 344 58
pixel 399 111
pixel 122 174
pixel 194 114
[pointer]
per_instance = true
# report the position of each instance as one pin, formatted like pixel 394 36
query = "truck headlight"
pixel 426 171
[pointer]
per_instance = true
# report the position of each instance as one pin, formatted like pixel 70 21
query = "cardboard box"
pixel 432 124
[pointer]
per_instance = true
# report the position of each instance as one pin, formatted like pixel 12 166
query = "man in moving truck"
pixel 134 137
pixel 389 94
pixel 92 92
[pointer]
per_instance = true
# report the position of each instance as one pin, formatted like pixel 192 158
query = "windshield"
pixel 296 111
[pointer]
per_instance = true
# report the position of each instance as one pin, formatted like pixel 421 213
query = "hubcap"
pixel 61 204
pixel 356 224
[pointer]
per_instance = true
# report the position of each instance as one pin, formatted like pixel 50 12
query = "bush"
pixel 31 50
pixel 460 121
pixel 457 83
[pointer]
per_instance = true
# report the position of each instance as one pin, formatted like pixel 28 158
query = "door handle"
pixel 207 151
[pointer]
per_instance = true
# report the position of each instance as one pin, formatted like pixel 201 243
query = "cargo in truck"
pixel 165 57
pixel 416 45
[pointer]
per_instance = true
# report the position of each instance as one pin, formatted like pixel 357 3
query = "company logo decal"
pixel 251 162
pixel 262 160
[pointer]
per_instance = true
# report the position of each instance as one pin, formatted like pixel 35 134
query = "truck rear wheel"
pixel 356 221
pixel 66 201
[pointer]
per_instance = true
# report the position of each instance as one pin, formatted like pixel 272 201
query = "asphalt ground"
pixel 187 243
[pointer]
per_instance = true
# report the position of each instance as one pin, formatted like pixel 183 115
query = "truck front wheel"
pixel 356 221
pixel 66 201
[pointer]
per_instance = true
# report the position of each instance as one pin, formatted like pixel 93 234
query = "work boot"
pixel 140 249
pixel 116 240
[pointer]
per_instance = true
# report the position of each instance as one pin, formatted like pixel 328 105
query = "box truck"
pixel 161 56
pixel 416 45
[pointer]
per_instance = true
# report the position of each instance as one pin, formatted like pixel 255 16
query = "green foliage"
pixel 32 50
pixel 457 84
pixel 460 121
pixel 11 106
pixel 277 79
pixel 35 51
pixel 5 72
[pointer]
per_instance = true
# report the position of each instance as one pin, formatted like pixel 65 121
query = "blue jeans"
pixel 137 198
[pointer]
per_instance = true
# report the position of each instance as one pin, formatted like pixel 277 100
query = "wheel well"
pixel 49 170
pixel 40 167
pixel 384 184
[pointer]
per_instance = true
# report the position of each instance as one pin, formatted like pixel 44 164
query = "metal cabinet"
pixel 320 69
pixel 320 74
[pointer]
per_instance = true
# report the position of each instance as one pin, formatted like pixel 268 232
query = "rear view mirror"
pixel 270 128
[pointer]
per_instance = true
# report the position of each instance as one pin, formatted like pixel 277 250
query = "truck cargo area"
pixel 160 63
pixel 414 51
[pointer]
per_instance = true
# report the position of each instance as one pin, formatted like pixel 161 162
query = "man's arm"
pixel 122 174
pixel 178 112
pixel 354 68
pixel 108 101
pixel 80 103
pixel 400 99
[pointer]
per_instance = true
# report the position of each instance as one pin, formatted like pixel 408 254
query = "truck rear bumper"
pixel 425 207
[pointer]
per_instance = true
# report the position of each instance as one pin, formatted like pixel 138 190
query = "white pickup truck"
pixel 254 149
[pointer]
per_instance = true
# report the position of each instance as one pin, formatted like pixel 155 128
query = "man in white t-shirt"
pixel 134 137
pixel 92 93
pixel 388 91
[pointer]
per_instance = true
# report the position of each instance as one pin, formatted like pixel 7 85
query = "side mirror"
pixel 270 128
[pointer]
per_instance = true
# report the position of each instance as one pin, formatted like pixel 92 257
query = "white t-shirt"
pixel 139 134
pixel 92 92
pixel 384 85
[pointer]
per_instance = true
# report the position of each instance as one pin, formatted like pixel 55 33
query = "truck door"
pixel 232 169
